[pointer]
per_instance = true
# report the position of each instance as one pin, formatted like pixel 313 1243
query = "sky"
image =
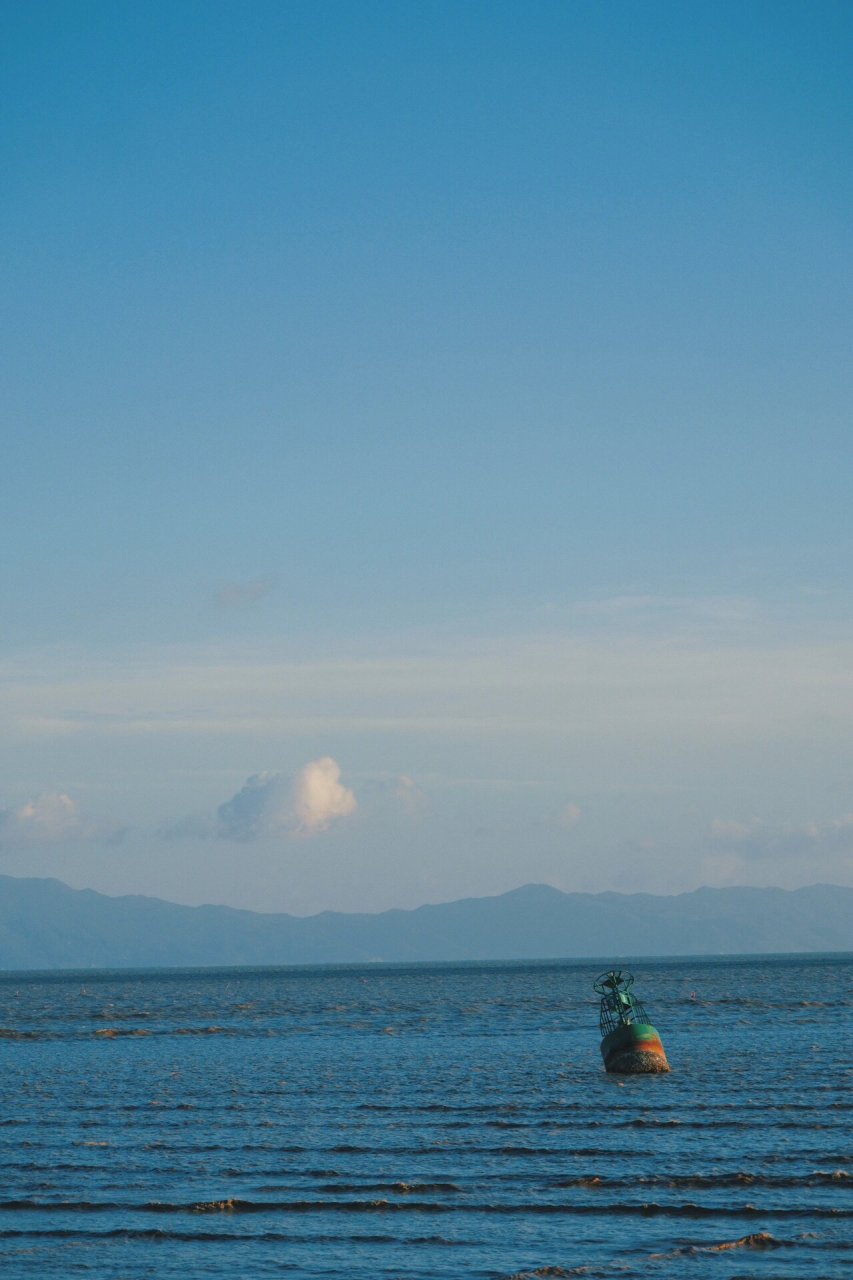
pixel 426 447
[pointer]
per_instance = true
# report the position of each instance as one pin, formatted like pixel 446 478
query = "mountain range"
pixel 44 924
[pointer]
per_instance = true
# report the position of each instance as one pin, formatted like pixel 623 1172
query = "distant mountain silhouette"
pixel 46 925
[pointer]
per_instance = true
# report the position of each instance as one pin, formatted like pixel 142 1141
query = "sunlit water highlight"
pixel 425 1121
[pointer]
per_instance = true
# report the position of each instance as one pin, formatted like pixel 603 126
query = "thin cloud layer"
pixel 411 797
pixel 270 804
pixel 238 595
pixel 757 839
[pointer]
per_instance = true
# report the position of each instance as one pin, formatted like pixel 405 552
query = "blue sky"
pixel 455 393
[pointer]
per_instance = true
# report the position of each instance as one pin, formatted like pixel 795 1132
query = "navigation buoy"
pixel 630 1044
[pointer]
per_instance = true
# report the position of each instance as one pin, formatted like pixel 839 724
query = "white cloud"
pixel 47 819
pixel 319 796
pixel 270 804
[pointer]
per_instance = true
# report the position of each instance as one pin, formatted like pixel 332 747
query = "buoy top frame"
pixel 619 1007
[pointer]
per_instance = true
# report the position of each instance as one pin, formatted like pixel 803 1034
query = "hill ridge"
pixel 45 924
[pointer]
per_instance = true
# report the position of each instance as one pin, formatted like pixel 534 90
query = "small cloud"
pixel 570 816
pixel 260 808
pixel 319 796
pixel 48 819
pixel 410 795
pixel 238 595
pixel 757 839
pixel 51 818
pixel 270 804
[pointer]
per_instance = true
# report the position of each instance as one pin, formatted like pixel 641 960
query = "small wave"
pixel 213 1206
pixel 111 1033
pixel 756 1240
pixel 198 1031
pixel 541 1272
pixel 237 1206
pixel 398 1188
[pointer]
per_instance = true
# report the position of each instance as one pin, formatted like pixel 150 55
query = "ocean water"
pixel 425 1121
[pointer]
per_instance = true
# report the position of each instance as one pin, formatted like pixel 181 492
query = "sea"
pixel 423 1121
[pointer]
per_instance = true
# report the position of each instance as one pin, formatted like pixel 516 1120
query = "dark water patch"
pixel 234 1205
pixel 199 1031
pixel 197 1148
pixel 710 1182
pixel 118 1014
pixel 157 1234
pixel 657 1122
pixel 243 1238
pixel 395 1188
pixel 839 1158
pixel 525 1152
pixel 540 1273
pixel 54 1206
pixel 655 1209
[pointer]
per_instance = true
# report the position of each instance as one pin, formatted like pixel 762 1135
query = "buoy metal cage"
pixel 619 1007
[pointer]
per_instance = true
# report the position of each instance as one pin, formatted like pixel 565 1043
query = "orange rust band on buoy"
pixel 634 1049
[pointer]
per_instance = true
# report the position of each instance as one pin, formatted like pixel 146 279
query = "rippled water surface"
pixel 425 1122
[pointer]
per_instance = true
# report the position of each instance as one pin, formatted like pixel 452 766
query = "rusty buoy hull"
pixel 633 1048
